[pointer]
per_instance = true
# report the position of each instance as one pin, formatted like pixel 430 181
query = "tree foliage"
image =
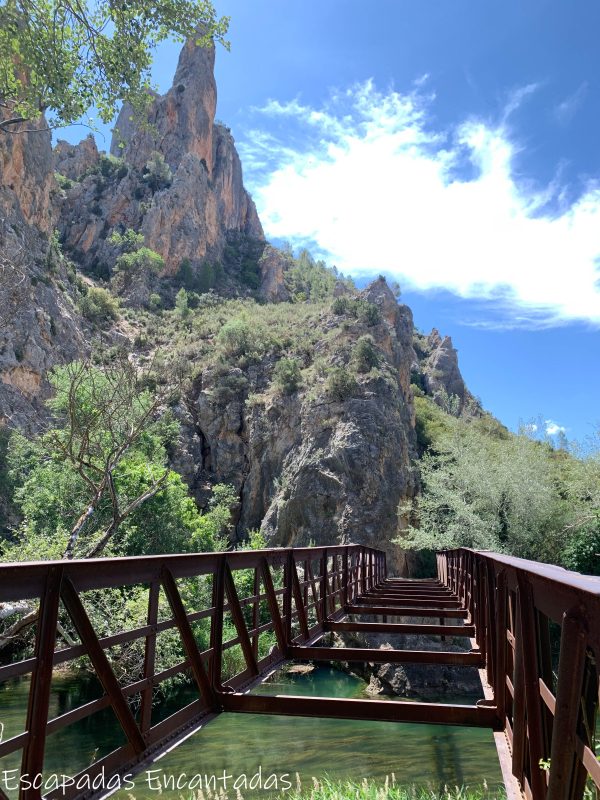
pixel 63 57
pixel 486 488
pixel 288 375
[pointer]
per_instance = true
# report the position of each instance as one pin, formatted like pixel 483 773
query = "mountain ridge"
pixel 331 461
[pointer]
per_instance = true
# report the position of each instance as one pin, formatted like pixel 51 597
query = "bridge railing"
pixel 284 595
pixel 538 627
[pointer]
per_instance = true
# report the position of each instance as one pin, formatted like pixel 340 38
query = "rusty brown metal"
pixel 187 638
pixel 506 606
pixel 567 703
pixel 100 662
pixel 390 711
pixel 149 656
pixel 512 602
pixel 41 680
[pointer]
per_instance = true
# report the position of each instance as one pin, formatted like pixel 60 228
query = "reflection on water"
pixel 264 748
pixel 240 744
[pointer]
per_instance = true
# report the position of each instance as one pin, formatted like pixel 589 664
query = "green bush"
pixel 235 337
pixel 143 259
pixel 110 166
pixel 157 173
pixel 341 384
pixel 582 551
pixel 357 307
pixel 155 301
pixel 128 242
pixel 181 304
pixel 230 386
pixel 368 313
pixel 240 338
pixel 98 305
pixel 287 375
pixel 365 354
pixel 341 305
pixel 63 182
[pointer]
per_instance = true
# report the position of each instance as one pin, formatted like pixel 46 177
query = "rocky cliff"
pixel 329 461
pixel 176 179
pixel 39 322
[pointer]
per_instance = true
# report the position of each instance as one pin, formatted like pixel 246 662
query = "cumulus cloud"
pixel 370 182
pixel 553 428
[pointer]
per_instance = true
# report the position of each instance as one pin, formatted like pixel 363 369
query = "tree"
pixel 181 303
pixel 157 172
pixel 98 480
pixel 486 489
pixel 98 305
pixel 62 56
pixel 288 375
pixel 365 354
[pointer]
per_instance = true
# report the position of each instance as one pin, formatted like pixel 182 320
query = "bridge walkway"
pixel 532 630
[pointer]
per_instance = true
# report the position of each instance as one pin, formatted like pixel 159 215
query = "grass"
pixel 326 789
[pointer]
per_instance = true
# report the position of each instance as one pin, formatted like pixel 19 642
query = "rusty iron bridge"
pixel 534 632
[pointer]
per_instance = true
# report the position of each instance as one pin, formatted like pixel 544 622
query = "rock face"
pixel 39 325
pixel 190 208
pixel 441 368
pixel 426 682
pixel 313 467
pixel 309 468
pixel 273 264
pixel 74 160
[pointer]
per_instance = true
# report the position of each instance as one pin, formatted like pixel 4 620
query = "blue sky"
pixel 451 145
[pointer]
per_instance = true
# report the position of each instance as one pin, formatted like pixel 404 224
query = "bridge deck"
pixel 504 608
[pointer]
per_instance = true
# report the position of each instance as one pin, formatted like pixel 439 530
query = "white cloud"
pixel 553 428
pixel 369 182
pixel 566 110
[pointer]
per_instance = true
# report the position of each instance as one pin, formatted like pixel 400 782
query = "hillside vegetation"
pixel 487 488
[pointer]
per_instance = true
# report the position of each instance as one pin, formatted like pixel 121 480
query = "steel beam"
pixel 333 708
pixel 381 656
pixel 403 628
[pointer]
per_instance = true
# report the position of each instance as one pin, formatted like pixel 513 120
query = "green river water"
pixel 258 751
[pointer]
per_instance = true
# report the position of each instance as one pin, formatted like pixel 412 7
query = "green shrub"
pixel 250 273
pixel 181 304
pixel 155 301
pixel 63 182
pixel 341 305
pixel 582 551
pixel 110 166
pixel 341 384
pixel 365 354
pixel 98 305
pixel 128 242
pixel 143 259
pixel 230 386
pixel 367 312
pixel 157 173
pixel 287 375
pixel 360 309
pixel 235 337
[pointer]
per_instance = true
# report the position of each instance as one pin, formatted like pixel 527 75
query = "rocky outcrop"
pixel 181 122
pixel 428 682
pixel 75 160
pixel 273 264
pixel 177 179
pixel 441 368
pixel 39 324
pixel 310 468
